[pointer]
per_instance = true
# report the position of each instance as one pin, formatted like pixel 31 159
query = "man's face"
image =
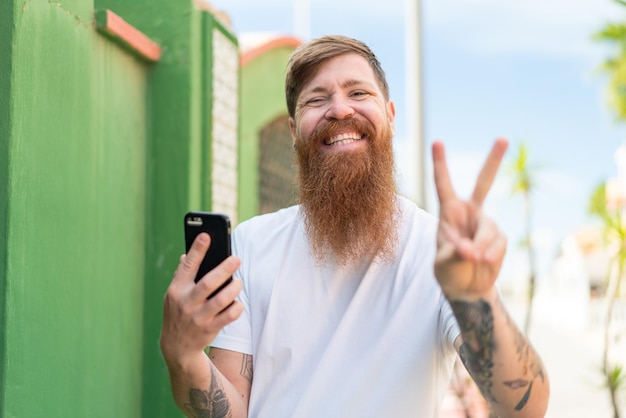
pixel 344 88
pixel 342 133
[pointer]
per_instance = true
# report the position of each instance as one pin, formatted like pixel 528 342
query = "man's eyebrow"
pixel 354 82
pixel 347 84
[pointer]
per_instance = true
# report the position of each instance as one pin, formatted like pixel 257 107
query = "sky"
pixel 526 70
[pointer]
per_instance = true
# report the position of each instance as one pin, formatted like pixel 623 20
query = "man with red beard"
pixel 355 302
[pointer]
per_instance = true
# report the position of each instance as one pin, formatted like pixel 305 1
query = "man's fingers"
pixel 487 233
pixel 228 315
pixel 214 279
pixel 495 253
pixel 442 176
pixel 190 262
pixel 489 170
pixel 455 244
pixel 221 301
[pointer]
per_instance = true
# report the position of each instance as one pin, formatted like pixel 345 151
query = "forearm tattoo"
pixel 211 403
pixel 531 363
pixel 476 323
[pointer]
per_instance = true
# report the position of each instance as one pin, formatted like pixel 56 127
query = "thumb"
pixel 190 262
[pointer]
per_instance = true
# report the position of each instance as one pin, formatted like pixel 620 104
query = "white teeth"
pixel 343 142
pixel 343 139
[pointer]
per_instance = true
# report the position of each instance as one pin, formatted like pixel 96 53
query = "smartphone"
pixel 218 228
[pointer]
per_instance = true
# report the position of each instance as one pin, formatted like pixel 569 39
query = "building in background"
pixel 267 170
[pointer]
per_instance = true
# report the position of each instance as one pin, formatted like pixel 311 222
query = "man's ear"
pixel 292 129
pixel 391 115
pixel 391 111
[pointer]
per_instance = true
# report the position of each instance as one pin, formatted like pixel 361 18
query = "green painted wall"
pixel 101 155
pixel 262 101
pixel 179 100
pixel 75 194
pixel 175 131
pixel 6 60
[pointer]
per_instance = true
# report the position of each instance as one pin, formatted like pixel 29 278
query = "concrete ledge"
pixel 126 35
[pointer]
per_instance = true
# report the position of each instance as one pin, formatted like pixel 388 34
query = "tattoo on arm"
pixel 246 367
pixel 531 363
pixel 476 322
pixel 211 403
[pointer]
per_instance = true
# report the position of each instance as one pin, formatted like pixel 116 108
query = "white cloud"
pixel 558 182
pixel 353 12
pixel 531 11
pixel 555 27
pixel 358 9
pixel 552 27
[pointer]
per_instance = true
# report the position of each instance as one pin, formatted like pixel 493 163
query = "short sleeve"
pixel 448 326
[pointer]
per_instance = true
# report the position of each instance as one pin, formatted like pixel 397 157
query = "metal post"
pixel 414 101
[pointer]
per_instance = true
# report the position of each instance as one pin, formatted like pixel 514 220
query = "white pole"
pixel 414 115
pixel 302 19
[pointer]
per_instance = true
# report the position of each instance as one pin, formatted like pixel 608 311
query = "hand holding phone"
pixel 218 228
pixel 190 322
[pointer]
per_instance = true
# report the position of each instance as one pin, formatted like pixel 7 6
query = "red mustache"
pixel 330 128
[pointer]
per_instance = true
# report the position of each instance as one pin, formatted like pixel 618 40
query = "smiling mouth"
pixel 344 139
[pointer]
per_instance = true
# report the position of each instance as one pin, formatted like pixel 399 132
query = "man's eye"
pixel 359 94
pixel 314 101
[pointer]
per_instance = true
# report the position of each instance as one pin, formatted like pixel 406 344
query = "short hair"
pixel 308 57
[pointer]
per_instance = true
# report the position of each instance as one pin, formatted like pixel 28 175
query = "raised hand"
pixel 470 247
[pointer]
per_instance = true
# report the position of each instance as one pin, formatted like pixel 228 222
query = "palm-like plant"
pixel 615 67
pixel 524 183
pixel 613 220
pixel 614 225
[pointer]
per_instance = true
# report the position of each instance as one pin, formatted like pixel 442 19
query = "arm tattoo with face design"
pixel 211 403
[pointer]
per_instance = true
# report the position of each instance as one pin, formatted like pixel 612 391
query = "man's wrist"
pixel 186 363
pixel 489 296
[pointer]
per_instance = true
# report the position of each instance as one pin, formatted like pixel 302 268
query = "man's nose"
pixel 340 108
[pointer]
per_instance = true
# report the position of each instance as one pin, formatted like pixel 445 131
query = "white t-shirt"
pixel 375 341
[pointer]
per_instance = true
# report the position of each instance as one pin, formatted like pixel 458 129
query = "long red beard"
pixel 349 198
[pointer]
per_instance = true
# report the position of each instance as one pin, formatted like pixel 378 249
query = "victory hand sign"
pixel 470 247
